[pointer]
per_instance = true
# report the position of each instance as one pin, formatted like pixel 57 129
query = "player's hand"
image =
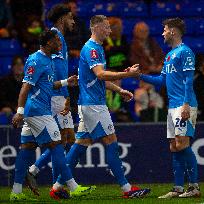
pixel 66 110
pixel 134 70
pixel 72 80
pixel 126 95
pixel 185 112
pixel 17 120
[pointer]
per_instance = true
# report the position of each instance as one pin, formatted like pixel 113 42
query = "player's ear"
pixel 172 31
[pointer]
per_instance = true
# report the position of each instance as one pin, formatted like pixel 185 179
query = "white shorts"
pixel 95 122
pixel 175 126
pixel 40 129
pixel 57 105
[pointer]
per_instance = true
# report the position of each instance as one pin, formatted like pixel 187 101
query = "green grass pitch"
pixel 109 194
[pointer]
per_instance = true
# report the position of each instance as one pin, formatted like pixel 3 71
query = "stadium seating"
pixel 8 49
pixel 5 65
pixel 131 12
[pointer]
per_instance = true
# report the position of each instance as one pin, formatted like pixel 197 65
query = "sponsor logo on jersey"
pixel 170 68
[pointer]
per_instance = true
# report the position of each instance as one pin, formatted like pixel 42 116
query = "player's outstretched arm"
pixel 125 94
pixel 71 81
pixel 18 117
pixel 158 80
pixel 111 76
pixel 155 80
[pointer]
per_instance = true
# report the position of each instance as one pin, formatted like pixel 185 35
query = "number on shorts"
pixel 180 123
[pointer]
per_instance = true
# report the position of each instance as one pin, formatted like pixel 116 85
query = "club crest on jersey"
pixel 30 70
pixel 94 54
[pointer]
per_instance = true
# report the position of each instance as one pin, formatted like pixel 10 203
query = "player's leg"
pixel 97 121
pixel 81 144
pixel 66 126
pixel 25 157
pixel 72 157
pixel 70 139
pixel 178 161
pixel 183 144
pixel 115 165
pixel 50 135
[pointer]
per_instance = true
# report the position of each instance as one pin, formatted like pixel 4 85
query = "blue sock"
pixel 178 168
pixel 59 164
pixel 44 159
pixel 24 159
pixel 68 147
pixel 115 164
pixel 74 154
pixel 73 157
pixel 191 165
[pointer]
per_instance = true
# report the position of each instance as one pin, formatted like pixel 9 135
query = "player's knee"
pixel 109 139
pixel 29 145
pixel 84 142
pixel 172 146
pixel 182 142
pixel 71 136
pixel 180 146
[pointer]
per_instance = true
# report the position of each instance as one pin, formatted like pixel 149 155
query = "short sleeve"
pixel 188 60
pixel 31 73
pixel 93 57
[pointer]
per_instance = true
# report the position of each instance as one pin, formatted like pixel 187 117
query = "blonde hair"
pixel 97 19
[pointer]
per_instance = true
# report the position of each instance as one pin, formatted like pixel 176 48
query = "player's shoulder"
pixel 37 59
pixel 33 59
pixel 186 49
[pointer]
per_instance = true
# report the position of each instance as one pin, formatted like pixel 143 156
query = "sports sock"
pixel 74 154
pixel 57 186
pixel 115 164
pixel 34 170
pixel 68 147
pixel 44 159
pixel 72 185
pixel 191 165
pixel 24 159
pixel 126 187
pixel 178 168
pixel 17 188
pixel 59 164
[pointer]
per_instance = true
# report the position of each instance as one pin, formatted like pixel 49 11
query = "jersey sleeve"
pixel 93 57
pixel 31 72
pixel 188 60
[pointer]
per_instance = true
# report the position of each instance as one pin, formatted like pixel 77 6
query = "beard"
pixel 168 41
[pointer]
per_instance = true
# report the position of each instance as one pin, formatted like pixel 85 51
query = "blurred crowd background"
pixel 136 38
